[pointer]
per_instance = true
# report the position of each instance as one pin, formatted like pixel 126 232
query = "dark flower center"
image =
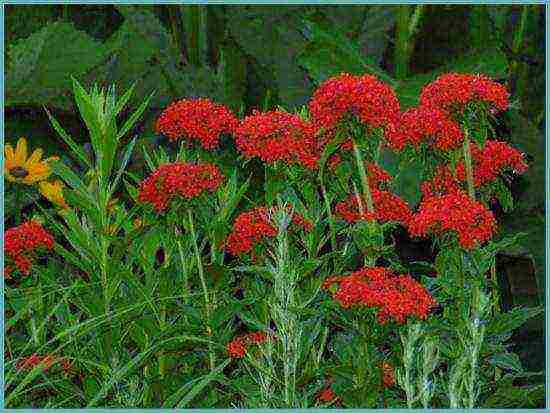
pixel 18 172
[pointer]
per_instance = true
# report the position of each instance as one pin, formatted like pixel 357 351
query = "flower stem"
pixel 332 228
pixel 468 164
pixel 184 273
pixel 364 180
pixel 204 289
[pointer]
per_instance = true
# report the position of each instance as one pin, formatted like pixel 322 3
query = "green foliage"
pixel 39 67
pixel 143 304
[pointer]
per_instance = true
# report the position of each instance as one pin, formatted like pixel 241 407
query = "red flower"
pixel 387 208
pixel 31 362
pixel 178 180
pixel 488 163
pixel 457 213
pixel 326 395
pixel 491 161
pixel 250 228
pixel 196 120
pixel 278 136
pixel 442 183
pixel 238 347
pixel 22 243
pixel 374 103
pixel 453 91
pixel 424 124
pixel 376 175
pixel 396 297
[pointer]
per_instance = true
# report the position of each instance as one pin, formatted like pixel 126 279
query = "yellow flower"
pixel 18 168
pixel 53 192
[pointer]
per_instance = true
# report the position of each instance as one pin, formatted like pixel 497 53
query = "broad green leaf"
pixel 40 66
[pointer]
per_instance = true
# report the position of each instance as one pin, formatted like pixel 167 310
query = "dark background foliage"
pixel 258 57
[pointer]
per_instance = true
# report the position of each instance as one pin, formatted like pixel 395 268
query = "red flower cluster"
pixel 388 207
pixel 278 136
pixel 196 120
pixel 377 176
pixel 21 244
pixel 442 183
pixel 251 227
pixel 453 91
pixel 395 296
pixel 373 102
pixel 424 124
pixel 491 161
pixel 488 164
pixel 47 361
pixel 455 212
pixel 238 347
pixel 185 180
pixel 326 395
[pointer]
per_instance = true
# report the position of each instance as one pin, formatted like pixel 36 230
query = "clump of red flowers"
pixel 22 244
pixel 178 180
pixel 327 395
pixel 457 213
pixel 489 162
pixel 47 361
pixel 451 92
pixel 252 227
pixel 388 207
pixel 377 176
pixel 374 103
pixel 395 297
pixel 278 136
pixel 239 346
pixel 443 182
pixel 424 124
pixel 198 120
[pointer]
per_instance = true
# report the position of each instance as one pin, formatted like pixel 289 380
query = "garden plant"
pixel 251 259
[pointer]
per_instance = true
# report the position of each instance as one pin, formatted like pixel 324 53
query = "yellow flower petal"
pixel 9 157
pixel 21 152
pixel 35 157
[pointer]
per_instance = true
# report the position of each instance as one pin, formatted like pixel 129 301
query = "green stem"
pixel 194 23
pixel 364 180
pixel 176 32
pixel 468 165
pixel 204 288
pixel 518 35
pixel 330 216
pixel 402 42
pixel 184 274
pixel 65 11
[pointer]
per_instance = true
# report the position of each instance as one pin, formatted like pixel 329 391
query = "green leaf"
pixel 272 37
pixel 40 66
pixel 513 319
pixel 330 53
pixel 125 159
pixel 206 380
pixel 134 117
pixel 506 361
pixel 78 151
pixel 72 179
